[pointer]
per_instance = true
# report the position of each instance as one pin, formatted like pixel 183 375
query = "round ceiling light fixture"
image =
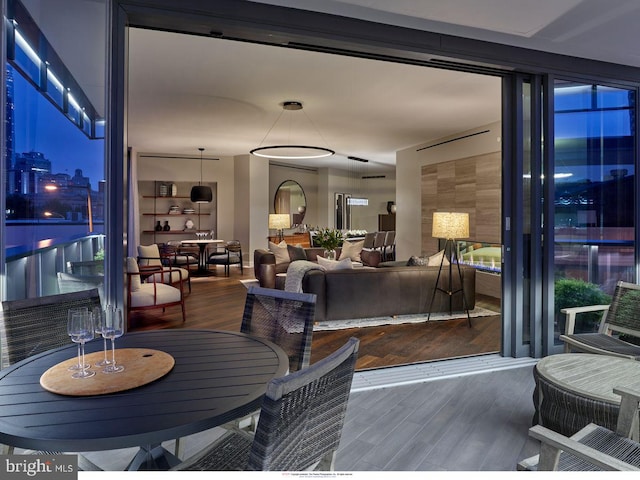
pixel 291 151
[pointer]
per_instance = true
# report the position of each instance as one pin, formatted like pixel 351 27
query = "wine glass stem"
pixel 113 352
pixel 104 342
pixel 80 359
pixel 82 349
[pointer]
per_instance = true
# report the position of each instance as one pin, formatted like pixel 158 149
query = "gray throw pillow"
pixel 415 261
pixel 296 253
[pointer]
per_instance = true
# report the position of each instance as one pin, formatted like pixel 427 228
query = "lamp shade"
pixel 450 225
pixel 201 194
pixel 279 221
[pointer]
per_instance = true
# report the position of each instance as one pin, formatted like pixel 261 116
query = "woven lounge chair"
pixel 300 422
pixel 594 447
pixel 622 316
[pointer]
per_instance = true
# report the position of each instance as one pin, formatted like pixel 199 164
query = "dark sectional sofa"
pixel 365 292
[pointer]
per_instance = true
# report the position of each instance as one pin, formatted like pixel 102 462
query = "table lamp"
pixel 279 221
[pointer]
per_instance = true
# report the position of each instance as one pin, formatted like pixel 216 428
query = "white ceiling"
pixel 187 92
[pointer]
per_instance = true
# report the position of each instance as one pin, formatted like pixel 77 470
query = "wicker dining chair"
pixel 300 424
pixel 35 325
pixel 284 318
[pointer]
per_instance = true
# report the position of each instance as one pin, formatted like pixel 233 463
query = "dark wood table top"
pixel 218 376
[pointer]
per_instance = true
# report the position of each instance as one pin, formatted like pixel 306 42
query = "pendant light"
pixel 290 151
pixel 201 193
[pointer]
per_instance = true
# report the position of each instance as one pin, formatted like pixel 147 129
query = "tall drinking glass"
pixel 81 330
pixel 98 324
pixel 113 328
pixel 70 313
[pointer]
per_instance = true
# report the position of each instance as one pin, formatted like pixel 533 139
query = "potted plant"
pixel 329 239
pixel 573 292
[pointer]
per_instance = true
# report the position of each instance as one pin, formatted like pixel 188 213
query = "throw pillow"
pixel 351 250
pixel 280 251
pixel 149 255
pixel 437 259
pixel 327 264
pixel 415 261
pixel 132 267
pixel 296 253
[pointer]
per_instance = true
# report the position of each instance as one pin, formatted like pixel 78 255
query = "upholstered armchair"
pixel 150 260
pixel 151 293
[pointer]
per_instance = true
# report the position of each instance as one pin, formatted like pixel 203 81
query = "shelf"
pixel 174 214
pixel 170 232
pixel 165 197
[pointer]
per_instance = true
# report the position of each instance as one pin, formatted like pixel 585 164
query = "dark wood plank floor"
pixel 217 302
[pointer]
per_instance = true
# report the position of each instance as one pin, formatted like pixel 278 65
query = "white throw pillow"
pixel 280 251
pixel 149 255
pixel 436 259
pixel 351 250
pixel 132 267
pixel 344 264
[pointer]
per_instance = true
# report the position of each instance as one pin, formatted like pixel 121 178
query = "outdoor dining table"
pixel 217 376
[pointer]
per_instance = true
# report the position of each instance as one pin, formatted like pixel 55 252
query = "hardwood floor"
pixel 217 302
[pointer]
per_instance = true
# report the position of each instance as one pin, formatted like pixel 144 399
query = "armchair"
pixel 593 447
pixel 149 259
pixel 622 316
pixel 152 293
pixel 232 255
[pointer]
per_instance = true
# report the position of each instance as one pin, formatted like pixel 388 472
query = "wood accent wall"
pixel 470 185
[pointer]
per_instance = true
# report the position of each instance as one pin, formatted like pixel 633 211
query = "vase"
pixel 166 227
pixel 158 226
pixel 330 254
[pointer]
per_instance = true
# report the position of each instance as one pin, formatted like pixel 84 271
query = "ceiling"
pixel 187 92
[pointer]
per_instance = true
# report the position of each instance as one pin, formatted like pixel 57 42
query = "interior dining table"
pixel 202 244
pixel 216 377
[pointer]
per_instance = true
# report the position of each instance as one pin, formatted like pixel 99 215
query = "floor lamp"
pixel 450 226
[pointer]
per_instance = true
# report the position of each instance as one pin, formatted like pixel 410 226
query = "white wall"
pixel 408 174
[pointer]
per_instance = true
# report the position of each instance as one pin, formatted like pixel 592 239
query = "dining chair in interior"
pixel 369 240
pixel 300 426
pixel 284 318
pixel 149 258
pixel 151 294
pixel 35 325
pixel 389 247
pixel 593 447
pixel 231 255
pixel 378 241
pixel 174 254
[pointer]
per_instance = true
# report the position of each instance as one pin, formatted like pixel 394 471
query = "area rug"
pixel 399 319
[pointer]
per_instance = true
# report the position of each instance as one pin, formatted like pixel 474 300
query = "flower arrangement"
pixel 328 238
pixel 355 233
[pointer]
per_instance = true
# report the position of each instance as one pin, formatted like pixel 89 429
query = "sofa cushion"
pixel 296 253
pixel 344 264
pixel 280 251
pixel 431 261
pixel 352 250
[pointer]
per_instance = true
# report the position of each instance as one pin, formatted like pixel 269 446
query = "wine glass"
pixel 112 329
pixel 80 329
pixel 98 325
pixel 70 313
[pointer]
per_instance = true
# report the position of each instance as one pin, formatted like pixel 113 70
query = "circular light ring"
pixel 292 152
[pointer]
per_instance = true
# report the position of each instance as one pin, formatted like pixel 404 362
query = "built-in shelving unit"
pixel 164 202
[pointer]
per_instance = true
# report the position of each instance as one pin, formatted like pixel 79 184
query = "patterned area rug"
pixel 399 319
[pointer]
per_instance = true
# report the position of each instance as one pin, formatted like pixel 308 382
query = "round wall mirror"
pixel 290 198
